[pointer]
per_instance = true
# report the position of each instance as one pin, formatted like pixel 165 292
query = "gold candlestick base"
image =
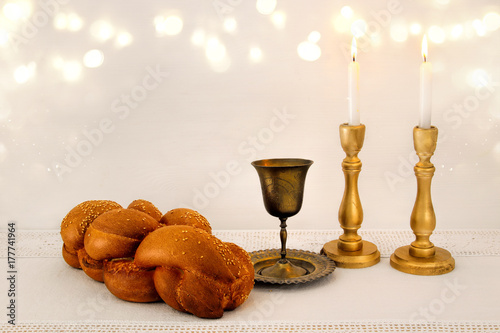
pixel 350 251
pixel 366 257
pixel 421 257
pixel 440 263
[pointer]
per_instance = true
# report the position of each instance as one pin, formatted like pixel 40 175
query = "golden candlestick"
pixel 422 257
pixel 350 251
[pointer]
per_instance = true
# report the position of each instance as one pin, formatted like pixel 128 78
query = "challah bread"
pixel 117 233
pixel 186 216
pixel 126 281
pixel 195 271
pixel 71 258
pixel 177 260
pixel 146 207
pixel 75 224
pixel 93 268
pixel 244 277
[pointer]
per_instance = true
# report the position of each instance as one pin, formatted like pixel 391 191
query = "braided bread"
pixel 146 207
pixel 195 271
pixel 177 260
pixel 75 224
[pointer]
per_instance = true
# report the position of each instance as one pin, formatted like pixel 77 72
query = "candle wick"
pixel 353 58
pixel 425 58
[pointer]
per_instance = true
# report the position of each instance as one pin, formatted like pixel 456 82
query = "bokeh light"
pixel 75 23
pixel 415 28
pixel 4 37
pixel 60 21
pixel 278 19
pixel 71 70
pixel 221 66
pixel 457 31
pixel 230 24
pixel 102 30
pixel 255 54
pixel 496 151
pixel 478 78
pixel 215 50
pixel 346 12
pixel 171 25
pixel 58 63
pixel 358 28
pixel 436 34
pixel 314 36
pixel 479 27
pixel 93 58
pixel 21 74
pixel 3 152
pixel 399 32
pixel 18 10
pixel 266 7
pixel 25 72
pixel 309 51
pixel 124 39
pixel 491 21
pixel 375 39
pixel 342 24
pixel 198 37
pixel 70 22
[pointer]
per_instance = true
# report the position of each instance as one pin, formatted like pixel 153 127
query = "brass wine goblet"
pixel 282 182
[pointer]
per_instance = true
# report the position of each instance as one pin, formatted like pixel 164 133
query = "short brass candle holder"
pixel 422 257
pixel 350 251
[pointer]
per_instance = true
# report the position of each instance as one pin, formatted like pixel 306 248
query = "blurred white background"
pixel 170 101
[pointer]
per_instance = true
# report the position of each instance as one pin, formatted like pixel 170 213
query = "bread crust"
pixel 93 268
pixel 75 223
pixel 195 271
pixel 240 289
pixel 146 207
pixel 117 233
pixel 71 258
pixel 128 282
pixel 186 216
pixel 186 248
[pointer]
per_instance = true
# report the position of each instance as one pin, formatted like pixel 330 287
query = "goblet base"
pixel 283 269
pixel 440 263
pixel 366 257
pixel 316 265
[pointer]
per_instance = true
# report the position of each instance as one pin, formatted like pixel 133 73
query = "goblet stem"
pixel 283 268
pixel 283 236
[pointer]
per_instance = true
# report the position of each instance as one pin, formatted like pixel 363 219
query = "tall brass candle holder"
pixel 350 251
pixel 422 257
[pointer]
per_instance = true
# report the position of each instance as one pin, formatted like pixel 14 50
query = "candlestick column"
pixel 421 257
pixel 350 251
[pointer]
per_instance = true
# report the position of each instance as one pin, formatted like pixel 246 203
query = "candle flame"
pixel 424 48
pixel 354 49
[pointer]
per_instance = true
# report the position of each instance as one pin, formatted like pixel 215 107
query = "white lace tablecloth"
pixel 53 297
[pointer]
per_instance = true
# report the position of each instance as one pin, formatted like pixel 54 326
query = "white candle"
pixel 353 74
pixel 425 89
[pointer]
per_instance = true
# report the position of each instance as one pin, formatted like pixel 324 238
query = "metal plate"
pixel 316 265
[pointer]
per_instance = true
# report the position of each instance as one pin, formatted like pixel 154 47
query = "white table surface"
pixel 54 297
